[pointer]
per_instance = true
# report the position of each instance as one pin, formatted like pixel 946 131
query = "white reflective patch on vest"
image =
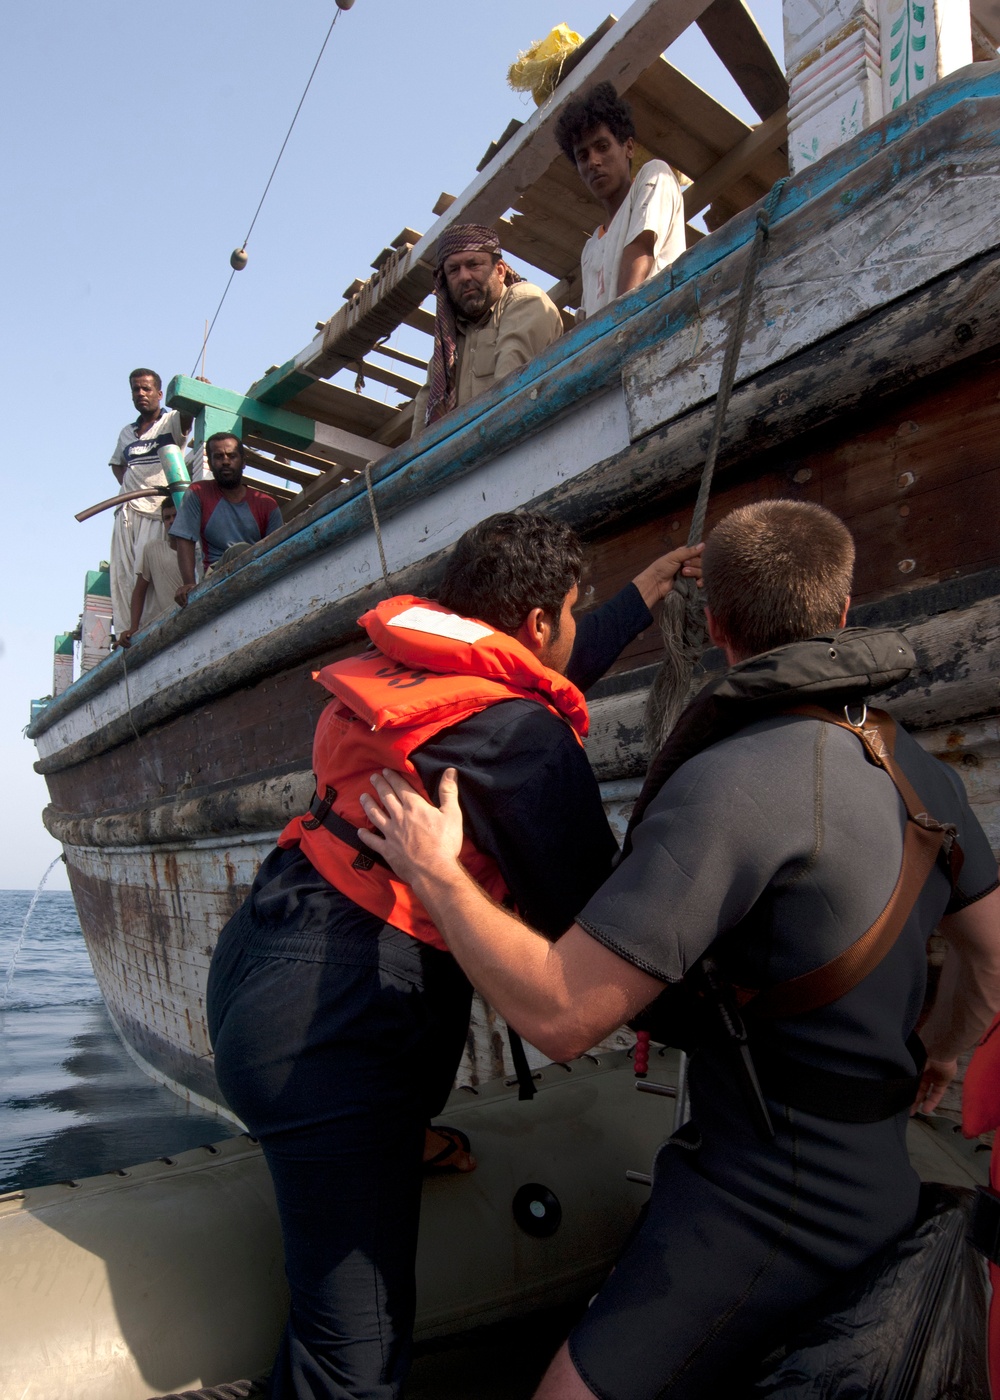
pixel 459 629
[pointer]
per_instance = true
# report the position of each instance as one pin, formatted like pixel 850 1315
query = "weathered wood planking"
pixel 574 210
pixel 367 369
pixel 393 354
pixel 285 470
pixel 648 26
pixel 776 409
pixel 915 479
pixel 957 680
pixel 330 403
pixel 682 124
pixel 242 771
pixel 151 918
pixel 843 376
pixel 562 242
pixel 528 239
pixel 720 179
pixel 736 37
pixel 812 283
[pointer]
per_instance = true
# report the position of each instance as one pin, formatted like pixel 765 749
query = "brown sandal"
pixel 444 1162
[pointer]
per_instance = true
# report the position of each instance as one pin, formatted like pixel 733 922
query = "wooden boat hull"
pixel 869 381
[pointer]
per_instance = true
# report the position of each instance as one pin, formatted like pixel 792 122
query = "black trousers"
pixel 336 1038
pixel 741 1241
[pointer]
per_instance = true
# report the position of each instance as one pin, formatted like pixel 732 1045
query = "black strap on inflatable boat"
pixel 525 1079
pixel 321 813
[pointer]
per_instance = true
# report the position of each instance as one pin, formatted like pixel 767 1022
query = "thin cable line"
pixel 201 353
pixel 336 16
pixel 305 90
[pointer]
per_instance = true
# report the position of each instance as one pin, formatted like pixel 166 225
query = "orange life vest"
pixel 427 669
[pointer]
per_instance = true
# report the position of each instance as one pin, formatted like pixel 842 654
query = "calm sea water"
pixel 72 1102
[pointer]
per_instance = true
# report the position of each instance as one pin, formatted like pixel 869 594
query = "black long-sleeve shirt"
pixel 527 791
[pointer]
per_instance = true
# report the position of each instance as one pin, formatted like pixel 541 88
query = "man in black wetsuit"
pixel 337 1023
pixel 768 840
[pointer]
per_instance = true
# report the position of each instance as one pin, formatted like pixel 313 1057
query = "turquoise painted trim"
pixel 176 472
pixel 63 644
pixel 286 429
pixel 98 583
pixel 281 384
pixel 208 421
pixel 580 364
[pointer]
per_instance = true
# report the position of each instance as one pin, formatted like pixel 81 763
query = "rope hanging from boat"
pixel 375 522
pixel 238 258
pixel 682 619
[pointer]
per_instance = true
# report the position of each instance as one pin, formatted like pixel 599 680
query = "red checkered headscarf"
pixel 443 383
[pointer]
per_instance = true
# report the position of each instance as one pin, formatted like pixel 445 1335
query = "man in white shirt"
pixel 643 229
pixel 136 465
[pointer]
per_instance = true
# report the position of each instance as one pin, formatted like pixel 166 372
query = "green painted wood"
pixel 281 385
pixel 175 470
pixel 64 644
pixel 215 420
pixel 98 584
pixel 230 408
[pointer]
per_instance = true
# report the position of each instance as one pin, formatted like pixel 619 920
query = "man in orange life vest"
pixel 223 513
pixel 337 1016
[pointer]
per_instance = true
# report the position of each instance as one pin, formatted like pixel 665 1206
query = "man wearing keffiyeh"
pixel 488 322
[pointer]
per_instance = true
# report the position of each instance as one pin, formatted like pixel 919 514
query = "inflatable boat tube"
pixel 168 1276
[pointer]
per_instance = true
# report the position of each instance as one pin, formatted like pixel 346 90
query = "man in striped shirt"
pixel 136 465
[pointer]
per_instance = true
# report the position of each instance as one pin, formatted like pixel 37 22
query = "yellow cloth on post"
pixel 539 68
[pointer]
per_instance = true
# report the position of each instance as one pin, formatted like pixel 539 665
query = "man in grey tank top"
pixel 769 844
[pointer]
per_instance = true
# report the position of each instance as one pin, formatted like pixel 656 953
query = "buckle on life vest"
pixel 319 809
pixel 321 813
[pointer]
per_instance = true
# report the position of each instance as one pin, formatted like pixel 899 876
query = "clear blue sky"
pixel 138 141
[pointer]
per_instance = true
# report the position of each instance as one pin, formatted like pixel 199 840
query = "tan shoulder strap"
pixel 922 843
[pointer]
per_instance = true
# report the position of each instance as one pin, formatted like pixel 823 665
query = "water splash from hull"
pixel 12 965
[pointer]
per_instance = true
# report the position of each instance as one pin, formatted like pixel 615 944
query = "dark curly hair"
pixel 510 563
pixel 598 105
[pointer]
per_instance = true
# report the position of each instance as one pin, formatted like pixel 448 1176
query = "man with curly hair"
pixel 643 229
pixel 337 1015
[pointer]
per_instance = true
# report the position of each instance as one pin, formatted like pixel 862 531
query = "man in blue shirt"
pixel 221 512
